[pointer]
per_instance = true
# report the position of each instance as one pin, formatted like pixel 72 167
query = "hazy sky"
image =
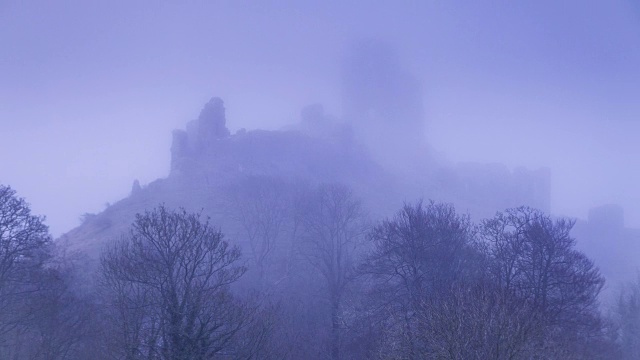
pixel 90 91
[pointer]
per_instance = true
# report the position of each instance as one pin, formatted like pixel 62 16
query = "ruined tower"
pixel 200 135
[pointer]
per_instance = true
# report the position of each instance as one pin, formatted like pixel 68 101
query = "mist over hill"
pixel 319 180
pixel 214 172
pixel 209 165
pixel 377 147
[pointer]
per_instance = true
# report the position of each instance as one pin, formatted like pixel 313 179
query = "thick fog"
pixel 319 180
pixel 89 91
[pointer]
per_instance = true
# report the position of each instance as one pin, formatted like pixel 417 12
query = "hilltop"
pixel 210 166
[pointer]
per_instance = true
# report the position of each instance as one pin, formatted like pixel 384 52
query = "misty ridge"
pixel 355 233
pixel 330 238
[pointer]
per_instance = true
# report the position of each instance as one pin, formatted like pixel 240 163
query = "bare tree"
pixel 416 255
pixel 168 286
pixel 470 321
pixel 262 206
pixel 333 226
pixel 626 313
pixel 61 321
pixel 24 241
pixel 533 261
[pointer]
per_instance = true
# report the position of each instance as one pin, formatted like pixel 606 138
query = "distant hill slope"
pixel 208 163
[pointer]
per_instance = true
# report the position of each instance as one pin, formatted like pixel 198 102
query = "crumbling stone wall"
pixel 210 126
